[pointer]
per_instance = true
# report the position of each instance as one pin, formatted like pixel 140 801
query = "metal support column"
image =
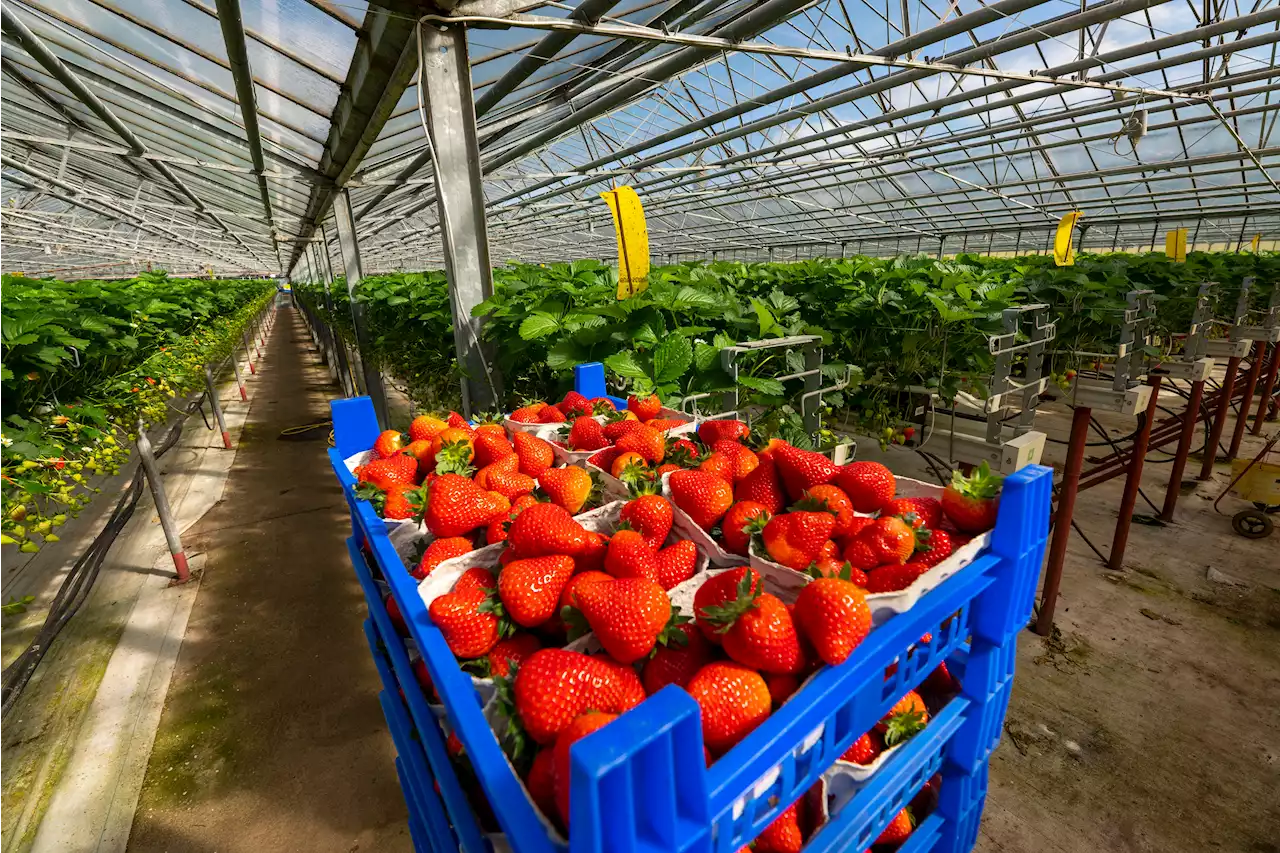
pixel 1080 418
pixel 1133 479
pixel 351 260
pixel 1268 386
pixel 1246 398
pixel 1189 420
pixel 455 146
pixel 1219 418
pixel 167 522
pixel 216 405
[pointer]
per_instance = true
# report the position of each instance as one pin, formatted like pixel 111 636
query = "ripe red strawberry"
pixel 756 630
pixel 740 522
pixel 971 502
pixel 622 424
pixel 426 427
pixel 476 580
pixel 781 836
pixel 397 618
pixel 676 662
pixel 490 447
pixel 719 591
pixel 630 555
pixel 530 588
pixel 627 615
pixel 885 540
pixel 651 515
pixel 928 511
pixel 926 799
pixel 456 505
pixel 550 415
pixel 400 501
pixel 398 469
pixel 602 405
pixel 575 731
pixel 762 486
pixel 893 577
pixel 733 699
pixel 743 458
pixel 586 434
pixel 681 451
pixel 869 485
pixel 630 467
pixel 541 781
pixel 594 550
pixel 497 531
pixel 535 454
pixel 718 465
pixel 940 682
pixel 457 421
pixel 469 629
pixel 664 424
pixel 899 829
pixel 836 502
pixel 794 539
pixel 510 653
pixel 645 408
pixel 647 442
pixel 801 470
pixel 827 566
pixel 388 443
pixel 575 405
pixel 677 563
pixel 781 687
pixel 528 414
pixel 834 616
pixel 704 497
pixel 440 550
pixel 905 719
pixel 865 750
pixel 935 548
pixel 568 597
pixel 570 487
pixel 554 686
pixel 546 529
pixel 722 430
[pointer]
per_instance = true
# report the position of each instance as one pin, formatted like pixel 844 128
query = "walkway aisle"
pixel 272 737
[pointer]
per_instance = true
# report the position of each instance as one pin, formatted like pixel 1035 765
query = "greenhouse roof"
pixel 211 134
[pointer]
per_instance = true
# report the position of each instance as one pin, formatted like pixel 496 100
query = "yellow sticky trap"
pixel 633 240
pixel 1255 242
pixel 1064 253
pixel 1175 245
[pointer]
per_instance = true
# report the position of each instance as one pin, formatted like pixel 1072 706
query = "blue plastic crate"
pixel 640 783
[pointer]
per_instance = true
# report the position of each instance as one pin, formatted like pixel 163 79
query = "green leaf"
pixel 705 356
pixel 672 358
pixel 625 364
pixel 397 300
pixel 539 324
pixel 764 316
pixel 764 385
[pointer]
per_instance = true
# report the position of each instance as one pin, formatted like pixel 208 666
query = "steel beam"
pixel 351 262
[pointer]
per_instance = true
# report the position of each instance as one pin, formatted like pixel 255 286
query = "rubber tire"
pixel 1252 524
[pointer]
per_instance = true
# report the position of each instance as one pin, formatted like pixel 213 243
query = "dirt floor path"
pixel 272 737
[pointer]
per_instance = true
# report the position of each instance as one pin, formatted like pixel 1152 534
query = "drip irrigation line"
pixel 1076 527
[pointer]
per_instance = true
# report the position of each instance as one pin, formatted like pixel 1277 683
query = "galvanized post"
pixel 235 367
pixel 248 351
pixel 351 260
pixel 451 128
pixel 167 521
pixel 216 405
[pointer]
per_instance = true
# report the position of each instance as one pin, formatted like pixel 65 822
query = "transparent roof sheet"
pixel 125 142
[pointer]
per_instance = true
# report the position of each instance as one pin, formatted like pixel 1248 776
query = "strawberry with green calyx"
pixel 755 629
pixel 399 501
pixel 629 616
pixel 490 447
pixel 649 513
pixel 743 520
pixel 704 497
pixel 906 718
pixel 528 413
pixel 551 415
pixel 720 591
pixel 426 427
pixel 883 541
pixel 455 457
pixel 971 502
pixel 865 750
pixel 927 511
pixel 619 424
pixel 645 408
pixel 933 549
pixel 783 835
pixel 835 618
pixel 718 465
pixel 762 486
pixel 456 505
pixel 801 470
pixel 836 567
pixel 585 433
pixel 833 499
pixel 445 548
pixel 894 577
pixel 677 563
pixel 602 406
pixel 676 663
pixel 733 699
pixel 457 421
pixel 575 405
pixel 626 463
pixel 794 538
pixel 582 726
pixel 388 443
pixel 467 621
pixel 400 468
pixel 505 656
pixel 546 529
pixel 631 555
pixel 869 485
pixel 899 829
pixel 715 430
pixel 571 487
pixel 530 588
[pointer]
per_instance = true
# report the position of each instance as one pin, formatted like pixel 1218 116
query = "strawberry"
pixel 835 617
pixel 602 405
pixel 630 555
pixel 826 566
pixel 546 529
pixel 894 576
pixel 401 469
pixel 733 700
pixel 665 468
pixel 762 486
pixel 490 447
pixel 426 427
pixel 504 477
pixel 905 719
pixel 743 458
pixel 388 444
pixel 899 829
pixel 645 408
pixel 457 421
pixel 717 464
pixel 682 451
pixel 927 511
pixel 781 687
pixel 554 686
pixel 704 497
pixel 722 430
pixel 621 425
pixel 497 531
pixel 594 550
pixel 885 540
pixel 677 662
pixel 836 502
pixel 575 731
pixel 664 424
pixel 647 442
pixel 677 563
pixel 926 799
pixel 627 615
pixel 865 749
pixel 535 454
pixel 468 628
pixel 719 591
pixel 400 501
pixel 452 451
pixel 550 415
pixel 508 654
pixel 627 465
pixel 568 597
pixel 420 449
pixel 869 485
pixel 651 515
pixel 793 539
pixel 603 459
pixel 971 502
pixel 476 580
pixel 575 405
pixel 940 682
pixel 781 836
pixel 528 414
pixel 440 550
pixel 530 588
pixel 586 434
pixel 397 618
pixel 756 630
pixel 801 470
pixel 936 548
pixel 740 522
pixel 456 505
pixel 541 781
pixel 570 487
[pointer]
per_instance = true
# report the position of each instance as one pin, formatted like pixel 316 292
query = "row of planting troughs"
pixel 605 627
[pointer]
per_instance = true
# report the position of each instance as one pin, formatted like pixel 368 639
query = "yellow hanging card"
pixel 1175 245
pixel 1064 252
pixel 1255 242
pixel 633 240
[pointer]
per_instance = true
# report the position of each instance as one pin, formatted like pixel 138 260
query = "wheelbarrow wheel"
pixel 1252 524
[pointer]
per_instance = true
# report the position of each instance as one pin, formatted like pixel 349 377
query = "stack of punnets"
pixel 644 781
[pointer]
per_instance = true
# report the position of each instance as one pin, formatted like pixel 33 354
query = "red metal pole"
pixel 1246 399
pixel 1134 480
pixel 1062 519
pixel 1219 418
pixel 1268 385
pixel 1189 419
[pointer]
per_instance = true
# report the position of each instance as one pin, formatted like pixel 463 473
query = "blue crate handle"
pixel 588 380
